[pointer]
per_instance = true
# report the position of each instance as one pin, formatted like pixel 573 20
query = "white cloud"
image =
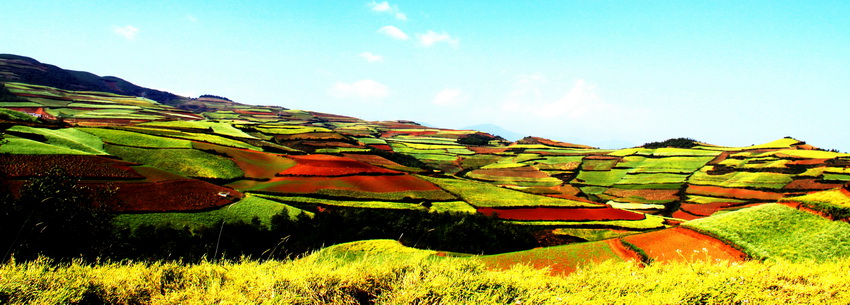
pixel 449 97
pixel 385 7
pixel 393 32
pixel 537 97
pixel 580 100
pixel 191 18
pixel 128 31
pixel 371 57
pixel 430 38
pixel 364 89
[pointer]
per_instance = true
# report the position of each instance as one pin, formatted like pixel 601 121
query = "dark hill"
pixel 16 68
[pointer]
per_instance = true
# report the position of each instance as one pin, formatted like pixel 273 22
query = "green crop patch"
pixel 707 199
pixel 482 194
pixel 243 211
pixel 592 234
pixel 223 129
pixel 643 164
pixel 307 202
pixel 186 162
pixel 600 178
pixel 102 106
pixel 589 164
pixel 289 130
pixel 778 232
pixel 13 115
pixel 742 179
pixel 653 178
pixel 128 138
pixel 835 203
pixel 649 223
pixel 21 146
pixel 70 138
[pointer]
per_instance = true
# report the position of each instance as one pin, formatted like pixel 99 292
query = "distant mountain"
pixel 16 68
pixel 497 131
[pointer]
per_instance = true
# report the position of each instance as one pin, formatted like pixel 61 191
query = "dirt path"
pixel 623 251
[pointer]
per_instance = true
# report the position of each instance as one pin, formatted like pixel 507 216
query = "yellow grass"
pixel 395 277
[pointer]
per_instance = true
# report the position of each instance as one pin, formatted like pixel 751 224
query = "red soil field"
pixel 381 161
pixel 806 161
pixel 173 195
pixel 487 150
pixel 622 251
pixel 383 147
pixel 85 167
pixel 520 172
pixel 680 214
pixel 683 245
pixel 811 185
pixel 561 214
pixel 308 185
pixel 328 166
pixel 153 174
pixel 707 209
pixel 563 260
pixel 255 164
pixel 736 193
pixel 645 194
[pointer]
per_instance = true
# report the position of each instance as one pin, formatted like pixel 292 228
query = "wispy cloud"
pixel 366 89
pixel 430 38
pixel 371 57
pixel 449 97
pixel 128 31
pixel 385 7
pixel 393 32
pixel 191 18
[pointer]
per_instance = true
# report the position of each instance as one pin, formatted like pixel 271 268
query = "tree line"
pixel 54 217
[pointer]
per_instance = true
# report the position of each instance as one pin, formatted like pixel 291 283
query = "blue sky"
pixel 603 73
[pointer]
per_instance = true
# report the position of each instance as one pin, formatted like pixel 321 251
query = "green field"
pixel 778 232
pixel 128 138
pixel 243 211
pixel 70 138
pixel 834 203
pixel 649 223
pixel 482 194
pixel 203 165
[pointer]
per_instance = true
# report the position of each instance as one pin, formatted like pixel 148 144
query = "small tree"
pixel 55 217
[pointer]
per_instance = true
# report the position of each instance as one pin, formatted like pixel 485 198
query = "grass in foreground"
pixel 775 231
pixel 408 278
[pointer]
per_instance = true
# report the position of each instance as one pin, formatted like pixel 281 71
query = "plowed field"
pixel 680 244
pixel 329 166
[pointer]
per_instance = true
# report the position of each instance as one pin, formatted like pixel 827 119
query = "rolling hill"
pixel 201 164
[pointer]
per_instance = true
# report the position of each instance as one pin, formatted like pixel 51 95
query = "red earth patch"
pixel 363 183
pixel 331 166
pixel 683 245
pixel 736 193
pixel 83 166
pixel 165 196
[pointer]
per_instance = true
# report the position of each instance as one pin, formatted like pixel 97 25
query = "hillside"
pixel 209 171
